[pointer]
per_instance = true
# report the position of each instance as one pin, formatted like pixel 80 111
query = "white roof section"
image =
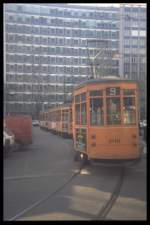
pixel 110 4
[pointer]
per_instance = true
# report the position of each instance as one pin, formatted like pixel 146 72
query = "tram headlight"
pixel 81 155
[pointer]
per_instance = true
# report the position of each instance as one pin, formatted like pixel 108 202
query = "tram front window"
pixel 96 112
pixel 113 111
pixel 129 111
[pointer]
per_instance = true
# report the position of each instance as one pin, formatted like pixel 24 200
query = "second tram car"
pixel 58 120
pixel 105 120
pixel 43 120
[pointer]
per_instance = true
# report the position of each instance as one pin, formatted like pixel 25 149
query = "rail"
pixel 48 196
pixel 103 212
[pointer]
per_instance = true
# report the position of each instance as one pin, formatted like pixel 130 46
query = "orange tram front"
pixel 105 120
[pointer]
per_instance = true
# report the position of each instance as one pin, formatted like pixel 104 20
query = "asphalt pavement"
pixel 32 173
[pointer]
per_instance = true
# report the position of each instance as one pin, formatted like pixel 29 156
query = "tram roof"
pixel 57 107
pixel 104 80
pixel 60 106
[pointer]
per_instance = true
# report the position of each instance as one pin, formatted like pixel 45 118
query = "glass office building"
pixel 49 48
pixel 134 44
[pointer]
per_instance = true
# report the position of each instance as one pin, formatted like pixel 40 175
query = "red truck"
pixel 21 126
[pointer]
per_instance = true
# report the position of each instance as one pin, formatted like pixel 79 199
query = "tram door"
pixel 80 131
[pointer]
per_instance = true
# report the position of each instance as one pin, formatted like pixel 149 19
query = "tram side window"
pixel 65 116
pixel 77 109
pixel 53 117
pixel 77 98
pixel 45 117
pixel 96 111
pixel 70 115
pixel 59 115
pixel 129 92
pixel 129 110
pixel 83 97
pixel 83 113
pixel 96 93
pixel 113 111
pixel 80 109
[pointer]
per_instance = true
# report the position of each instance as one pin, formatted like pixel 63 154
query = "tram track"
pixel 27 177
pixel 103 212
pixel 37 203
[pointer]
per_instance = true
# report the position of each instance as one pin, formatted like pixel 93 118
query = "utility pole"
pixel 64 87
pixel 121 42
pixel 102 51
pixel 4 63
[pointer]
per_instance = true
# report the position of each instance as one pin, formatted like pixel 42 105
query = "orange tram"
pixel 103 120
pixel 58 120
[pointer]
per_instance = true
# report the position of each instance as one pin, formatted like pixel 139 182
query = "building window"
pixel 19 8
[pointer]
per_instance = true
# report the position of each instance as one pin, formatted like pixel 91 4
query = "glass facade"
pixel 135 49
pixel 47 51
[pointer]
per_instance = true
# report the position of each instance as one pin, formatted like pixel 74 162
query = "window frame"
pixel 133 96
pixel 80 103
pixel 101 97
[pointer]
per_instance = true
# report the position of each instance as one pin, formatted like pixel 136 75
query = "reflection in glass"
pixel 83 113
pixel 113 111
pixel 129 111
pixel 96 111
pixel 77 109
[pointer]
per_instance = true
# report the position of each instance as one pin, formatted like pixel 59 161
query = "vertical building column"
pixel 138 46
pixel 130 43
pixel 121 41
pixel 4 58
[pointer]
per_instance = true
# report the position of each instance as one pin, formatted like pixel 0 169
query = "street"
pixel 35 172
